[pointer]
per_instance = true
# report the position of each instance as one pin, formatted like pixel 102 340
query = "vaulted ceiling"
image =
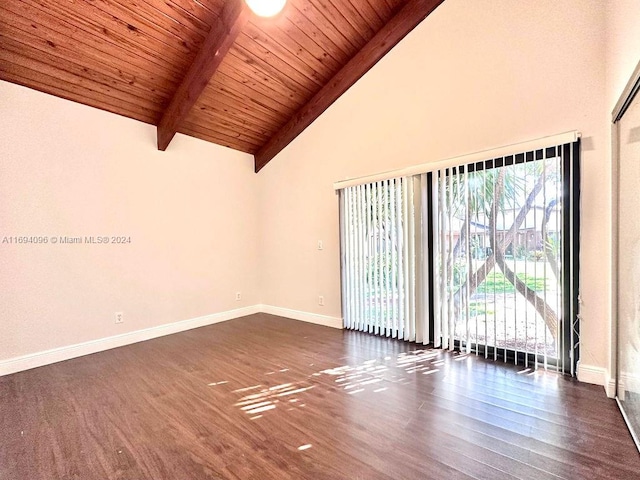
pixel 210 69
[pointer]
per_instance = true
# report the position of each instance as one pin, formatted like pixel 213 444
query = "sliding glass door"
pixel 503 256
pixel 480 257
pixel 627 136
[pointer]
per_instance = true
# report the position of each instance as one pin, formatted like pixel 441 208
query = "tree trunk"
pixel 462 238
pixel 548 251
pixel 476 278
pixel 548 315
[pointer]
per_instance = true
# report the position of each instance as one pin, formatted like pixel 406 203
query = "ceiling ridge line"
pixel 399 26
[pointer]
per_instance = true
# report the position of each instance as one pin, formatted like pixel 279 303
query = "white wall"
pixel 622 47
pixel 68 169
pixel 474 75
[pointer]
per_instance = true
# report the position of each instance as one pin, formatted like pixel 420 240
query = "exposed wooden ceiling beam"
pixel 221 37
pixel 395 30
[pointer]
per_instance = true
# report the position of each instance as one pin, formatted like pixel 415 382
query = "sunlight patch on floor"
pixel 375 375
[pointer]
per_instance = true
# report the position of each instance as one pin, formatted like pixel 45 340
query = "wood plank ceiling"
pixel 206 68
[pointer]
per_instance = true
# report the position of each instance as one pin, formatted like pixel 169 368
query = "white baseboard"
pixel 586 373
pixel 610 384
pixel 26 362
pixel 327 321
pixel 597 376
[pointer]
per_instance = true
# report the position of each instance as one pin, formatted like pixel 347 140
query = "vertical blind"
pixel 480 254
pixel 381 245
pixel 506 273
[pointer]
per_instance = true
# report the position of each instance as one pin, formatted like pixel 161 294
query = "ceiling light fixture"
pixel 266 8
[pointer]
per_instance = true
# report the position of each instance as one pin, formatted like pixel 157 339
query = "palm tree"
pixel 484 194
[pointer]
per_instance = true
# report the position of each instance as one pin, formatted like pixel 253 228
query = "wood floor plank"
pixel 263 397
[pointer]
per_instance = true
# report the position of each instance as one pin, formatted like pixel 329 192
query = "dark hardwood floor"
pixel 264 397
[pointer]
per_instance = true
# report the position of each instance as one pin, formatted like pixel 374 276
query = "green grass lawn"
pixel 497 282
pixel 478 308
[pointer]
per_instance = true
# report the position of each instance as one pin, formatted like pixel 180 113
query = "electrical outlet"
pixel 321 301
pixel 238 296
pixel 119 317
pixel 320 245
